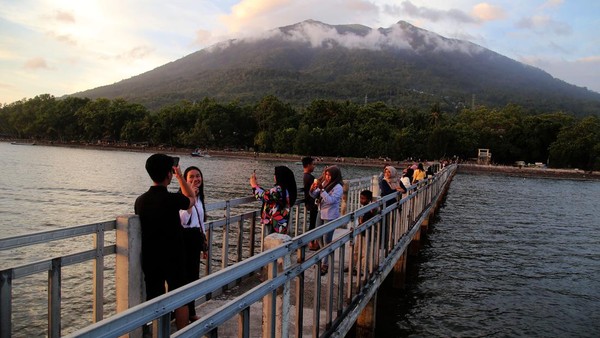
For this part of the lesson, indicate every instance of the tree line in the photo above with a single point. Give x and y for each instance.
(320, 128)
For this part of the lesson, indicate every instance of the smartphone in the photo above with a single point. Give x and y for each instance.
(175, 161)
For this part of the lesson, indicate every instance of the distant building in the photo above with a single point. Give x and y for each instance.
(484, 156)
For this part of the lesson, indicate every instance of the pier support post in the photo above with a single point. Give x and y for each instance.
(365, 323)
(425, 224)
(129, 277)
(278, 309)
(399, 272)
(415, 244)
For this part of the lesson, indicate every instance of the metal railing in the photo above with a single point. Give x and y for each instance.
(232, 257)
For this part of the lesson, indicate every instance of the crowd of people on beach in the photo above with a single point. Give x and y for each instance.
(174, 235)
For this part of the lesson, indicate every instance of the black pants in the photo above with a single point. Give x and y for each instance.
(313, 211)
(191, 239)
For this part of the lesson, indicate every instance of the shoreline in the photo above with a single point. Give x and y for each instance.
(575, 174)
(364, 162)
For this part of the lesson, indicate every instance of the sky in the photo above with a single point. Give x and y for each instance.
(61, 47)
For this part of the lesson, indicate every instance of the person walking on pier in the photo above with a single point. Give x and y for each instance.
(277, 201)
(309, 201)
(163, 253)
(328, 191)
(195, 239)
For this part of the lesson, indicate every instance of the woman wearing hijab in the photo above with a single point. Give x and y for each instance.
(328, 190)
(195, 239)
(277, 201)
(389, 183)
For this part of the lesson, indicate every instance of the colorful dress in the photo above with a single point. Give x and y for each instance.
(275, 211)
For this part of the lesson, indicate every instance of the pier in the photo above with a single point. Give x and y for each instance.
(252, 284)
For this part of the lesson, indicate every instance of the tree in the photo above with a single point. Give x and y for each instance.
(578, 146)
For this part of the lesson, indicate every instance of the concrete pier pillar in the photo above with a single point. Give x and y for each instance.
(399, 272)
(415, 244)
(282, 304)
(365, 323)
(129, 277)
(425, 224)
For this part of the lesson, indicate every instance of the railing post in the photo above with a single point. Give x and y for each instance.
(54, 297)
(129, 277)
(98, 293)
(6, 277)
(225, 248)
(345, 189)
(276, 305)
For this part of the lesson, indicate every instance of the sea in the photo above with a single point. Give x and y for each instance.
(505, 257)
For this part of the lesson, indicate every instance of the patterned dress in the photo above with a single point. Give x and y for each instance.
(273, 213)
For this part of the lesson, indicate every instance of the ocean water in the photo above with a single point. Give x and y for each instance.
(507, 257)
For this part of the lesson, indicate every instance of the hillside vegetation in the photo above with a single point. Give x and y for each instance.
(322, 128)
(400, 66)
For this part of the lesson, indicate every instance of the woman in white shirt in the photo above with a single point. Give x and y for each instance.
(328, 191)
(195, 239)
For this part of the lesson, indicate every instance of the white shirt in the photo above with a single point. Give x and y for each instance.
(195, 218)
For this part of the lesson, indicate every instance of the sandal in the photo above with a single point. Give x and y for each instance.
(324, 269)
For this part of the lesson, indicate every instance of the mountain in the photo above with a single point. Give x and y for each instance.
(402, 65)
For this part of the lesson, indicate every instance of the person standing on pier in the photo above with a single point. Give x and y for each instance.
(194, 231)
(389, 183)
(163, 254)
(277, 201)
(328, 191)
(419, 173)
(309, 201)
(407, 175)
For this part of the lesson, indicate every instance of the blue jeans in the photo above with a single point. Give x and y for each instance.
(327, 238)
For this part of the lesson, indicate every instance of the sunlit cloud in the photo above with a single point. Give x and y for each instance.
(36, 63)
(487, 12)
(202, 37)
(590, 59)
(407, 8)
(64, 38)
(253, 16)
(64, 17)
(135, 53)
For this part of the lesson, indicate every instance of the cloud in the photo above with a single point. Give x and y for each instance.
(544, 24)
(582, 71)
(36, 63)
(255, 16)
(318, 34)
(487, 12)
(64, 38)
(407, 8)
(202, 37)
(135, 53)
(65, 17)
(590, 59)
(552, 3)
